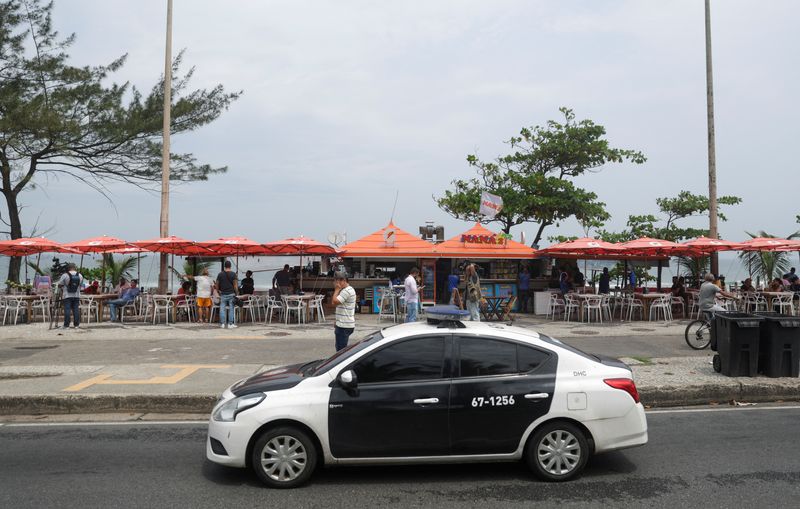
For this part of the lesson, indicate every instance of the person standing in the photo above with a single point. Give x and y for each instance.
(411, 295)
(524, 286)
(452, 286)
(473, 297)
(128, 296)
(204, 286)
(71, 282)
(604, 284)
(282, 280)
(344, 298)
(226, 283)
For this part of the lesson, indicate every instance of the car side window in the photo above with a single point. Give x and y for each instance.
(415, 359)
(486, 357)
(529, 358)
(490, 357)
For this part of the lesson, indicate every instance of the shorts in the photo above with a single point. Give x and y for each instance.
(204, 302)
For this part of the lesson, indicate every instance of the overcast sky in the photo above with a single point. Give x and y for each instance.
(347, 102)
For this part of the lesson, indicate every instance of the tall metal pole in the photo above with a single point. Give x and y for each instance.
(712, 159)
(164, 224)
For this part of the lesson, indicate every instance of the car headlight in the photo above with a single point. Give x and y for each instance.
(229, 411)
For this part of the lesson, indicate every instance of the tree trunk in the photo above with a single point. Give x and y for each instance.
(539, 234)
(15, 225)
(658, 282)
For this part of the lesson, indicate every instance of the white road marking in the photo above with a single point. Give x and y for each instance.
(721, 409)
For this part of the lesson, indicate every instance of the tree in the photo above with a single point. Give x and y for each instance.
(666, 225)
(59, 120)
(535, 180)
(767, 264)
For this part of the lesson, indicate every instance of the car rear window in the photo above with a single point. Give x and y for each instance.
(561, 344)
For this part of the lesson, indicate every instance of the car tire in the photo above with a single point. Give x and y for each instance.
(557, 451)
(716, 361)
(284, 457)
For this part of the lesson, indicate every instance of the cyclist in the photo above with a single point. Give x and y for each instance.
(708, 295)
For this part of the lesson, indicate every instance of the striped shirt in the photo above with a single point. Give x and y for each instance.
(346, 308)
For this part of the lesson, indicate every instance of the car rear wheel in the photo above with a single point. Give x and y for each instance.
(558, 451)
(284, 457)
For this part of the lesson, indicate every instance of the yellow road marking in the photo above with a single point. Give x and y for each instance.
(184, 370)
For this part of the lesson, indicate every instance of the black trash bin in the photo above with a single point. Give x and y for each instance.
(779, 345)
(737, 337)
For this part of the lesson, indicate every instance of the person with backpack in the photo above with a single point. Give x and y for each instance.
(226, 284)
(71, 282)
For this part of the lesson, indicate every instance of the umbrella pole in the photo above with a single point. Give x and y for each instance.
(172, 276)
(139, 268)
(300, 290)
(81, 263)
(26, 269)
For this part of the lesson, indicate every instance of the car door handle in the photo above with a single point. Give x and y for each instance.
(426, 401)
(538, 395)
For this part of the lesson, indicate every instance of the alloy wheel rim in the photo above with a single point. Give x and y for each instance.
(284, 458)
(559, 452)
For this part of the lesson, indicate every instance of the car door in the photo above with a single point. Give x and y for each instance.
(400, 406)
(499, 387)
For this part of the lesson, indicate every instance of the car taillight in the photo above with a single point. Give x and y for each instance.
(624, 384)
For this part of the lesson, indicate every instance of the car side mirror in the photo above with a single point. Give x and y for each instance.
(348, 379)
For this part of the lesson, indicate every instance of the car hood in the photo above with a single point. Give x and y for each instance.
(276, 379)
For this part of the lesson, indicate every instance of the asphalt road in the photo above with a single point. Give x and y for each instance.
(717, 458)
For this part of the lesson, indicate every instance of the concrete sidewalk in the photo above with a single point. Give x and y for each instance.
(183, 368)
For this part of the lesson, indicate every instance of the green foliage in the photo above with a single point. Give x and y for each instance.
(93, 274)
(61, 120)
(767, 265)
(117, 269)
(665, 224)
(695, 266)
(191, 268)
(535, 180)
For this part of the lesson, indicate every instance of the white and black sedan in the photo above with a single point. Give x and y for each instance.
(435, 392)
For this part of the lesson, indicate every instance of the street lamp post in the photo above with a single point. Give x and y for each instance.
(164, 223)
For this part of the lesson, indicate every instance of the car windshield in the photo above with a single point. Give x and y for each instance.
(345, 353)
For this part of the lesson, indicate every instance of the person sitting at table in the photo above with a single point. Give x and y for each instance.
(776, 285)
(791, 276)
(747, 286)
(281, 281)
(679, 289)
(128, 296)
(93, 288)
(795, 286)
(604, 284)
(248, 285)
(580, 279)
(122, 285)
(183, 291)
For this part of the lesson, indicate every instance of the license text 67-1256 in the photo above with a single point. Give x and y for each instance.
(480, 401)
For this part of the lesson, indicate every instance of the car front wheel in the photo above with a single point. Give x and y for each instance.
(558, 451)
(284, 457)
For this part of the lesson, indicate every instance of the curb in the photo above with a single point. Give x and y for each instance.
(74, 404)
(652, 397)
(671, 396)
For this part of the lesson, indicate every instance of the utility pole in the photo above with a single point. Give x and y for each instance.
(712, 159)
(164, 224)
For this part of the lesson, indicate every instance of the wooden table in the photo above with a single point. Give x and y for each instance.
(101, 299)
(584, 298)
(494, 307)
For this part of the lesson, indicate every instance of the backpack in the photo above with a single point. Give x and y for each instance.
(74, 282)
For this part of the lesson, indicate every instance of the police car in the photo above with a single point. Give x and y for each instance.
(436, 392)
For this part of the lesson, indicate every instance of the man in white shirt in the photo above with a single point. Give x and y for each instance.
(204, 286)
(411, 295)
(344, 298)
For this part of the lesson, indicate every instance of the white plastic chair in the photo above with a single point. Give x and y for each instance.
(783, 303)
(89, 305)
(162, 303)
(272, 306)
(593, 305)
(297, 306)
(678, 301)
(570, 304)
(12, 304)
(315, 308)
(555, 305)
(634, 305)
(661, 307)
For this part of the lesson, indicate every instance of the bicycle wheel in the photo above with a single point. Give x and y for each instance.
(698, 334)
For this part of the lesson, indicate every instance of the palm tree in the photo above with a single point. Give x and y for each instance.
(767, 264)
(192, 268)
(696, 266)
(115, 270)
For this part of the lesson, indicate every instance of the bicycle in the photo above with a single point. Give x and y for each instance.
(698, 332)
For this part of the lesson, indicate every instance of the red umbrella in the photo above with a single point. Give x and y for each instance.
(707, 245)
(583, 246)
(101, 244)
(299, 246)
(766, 244)
(32, 245)
(650, 246)
(235, 246)
(174, 245)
